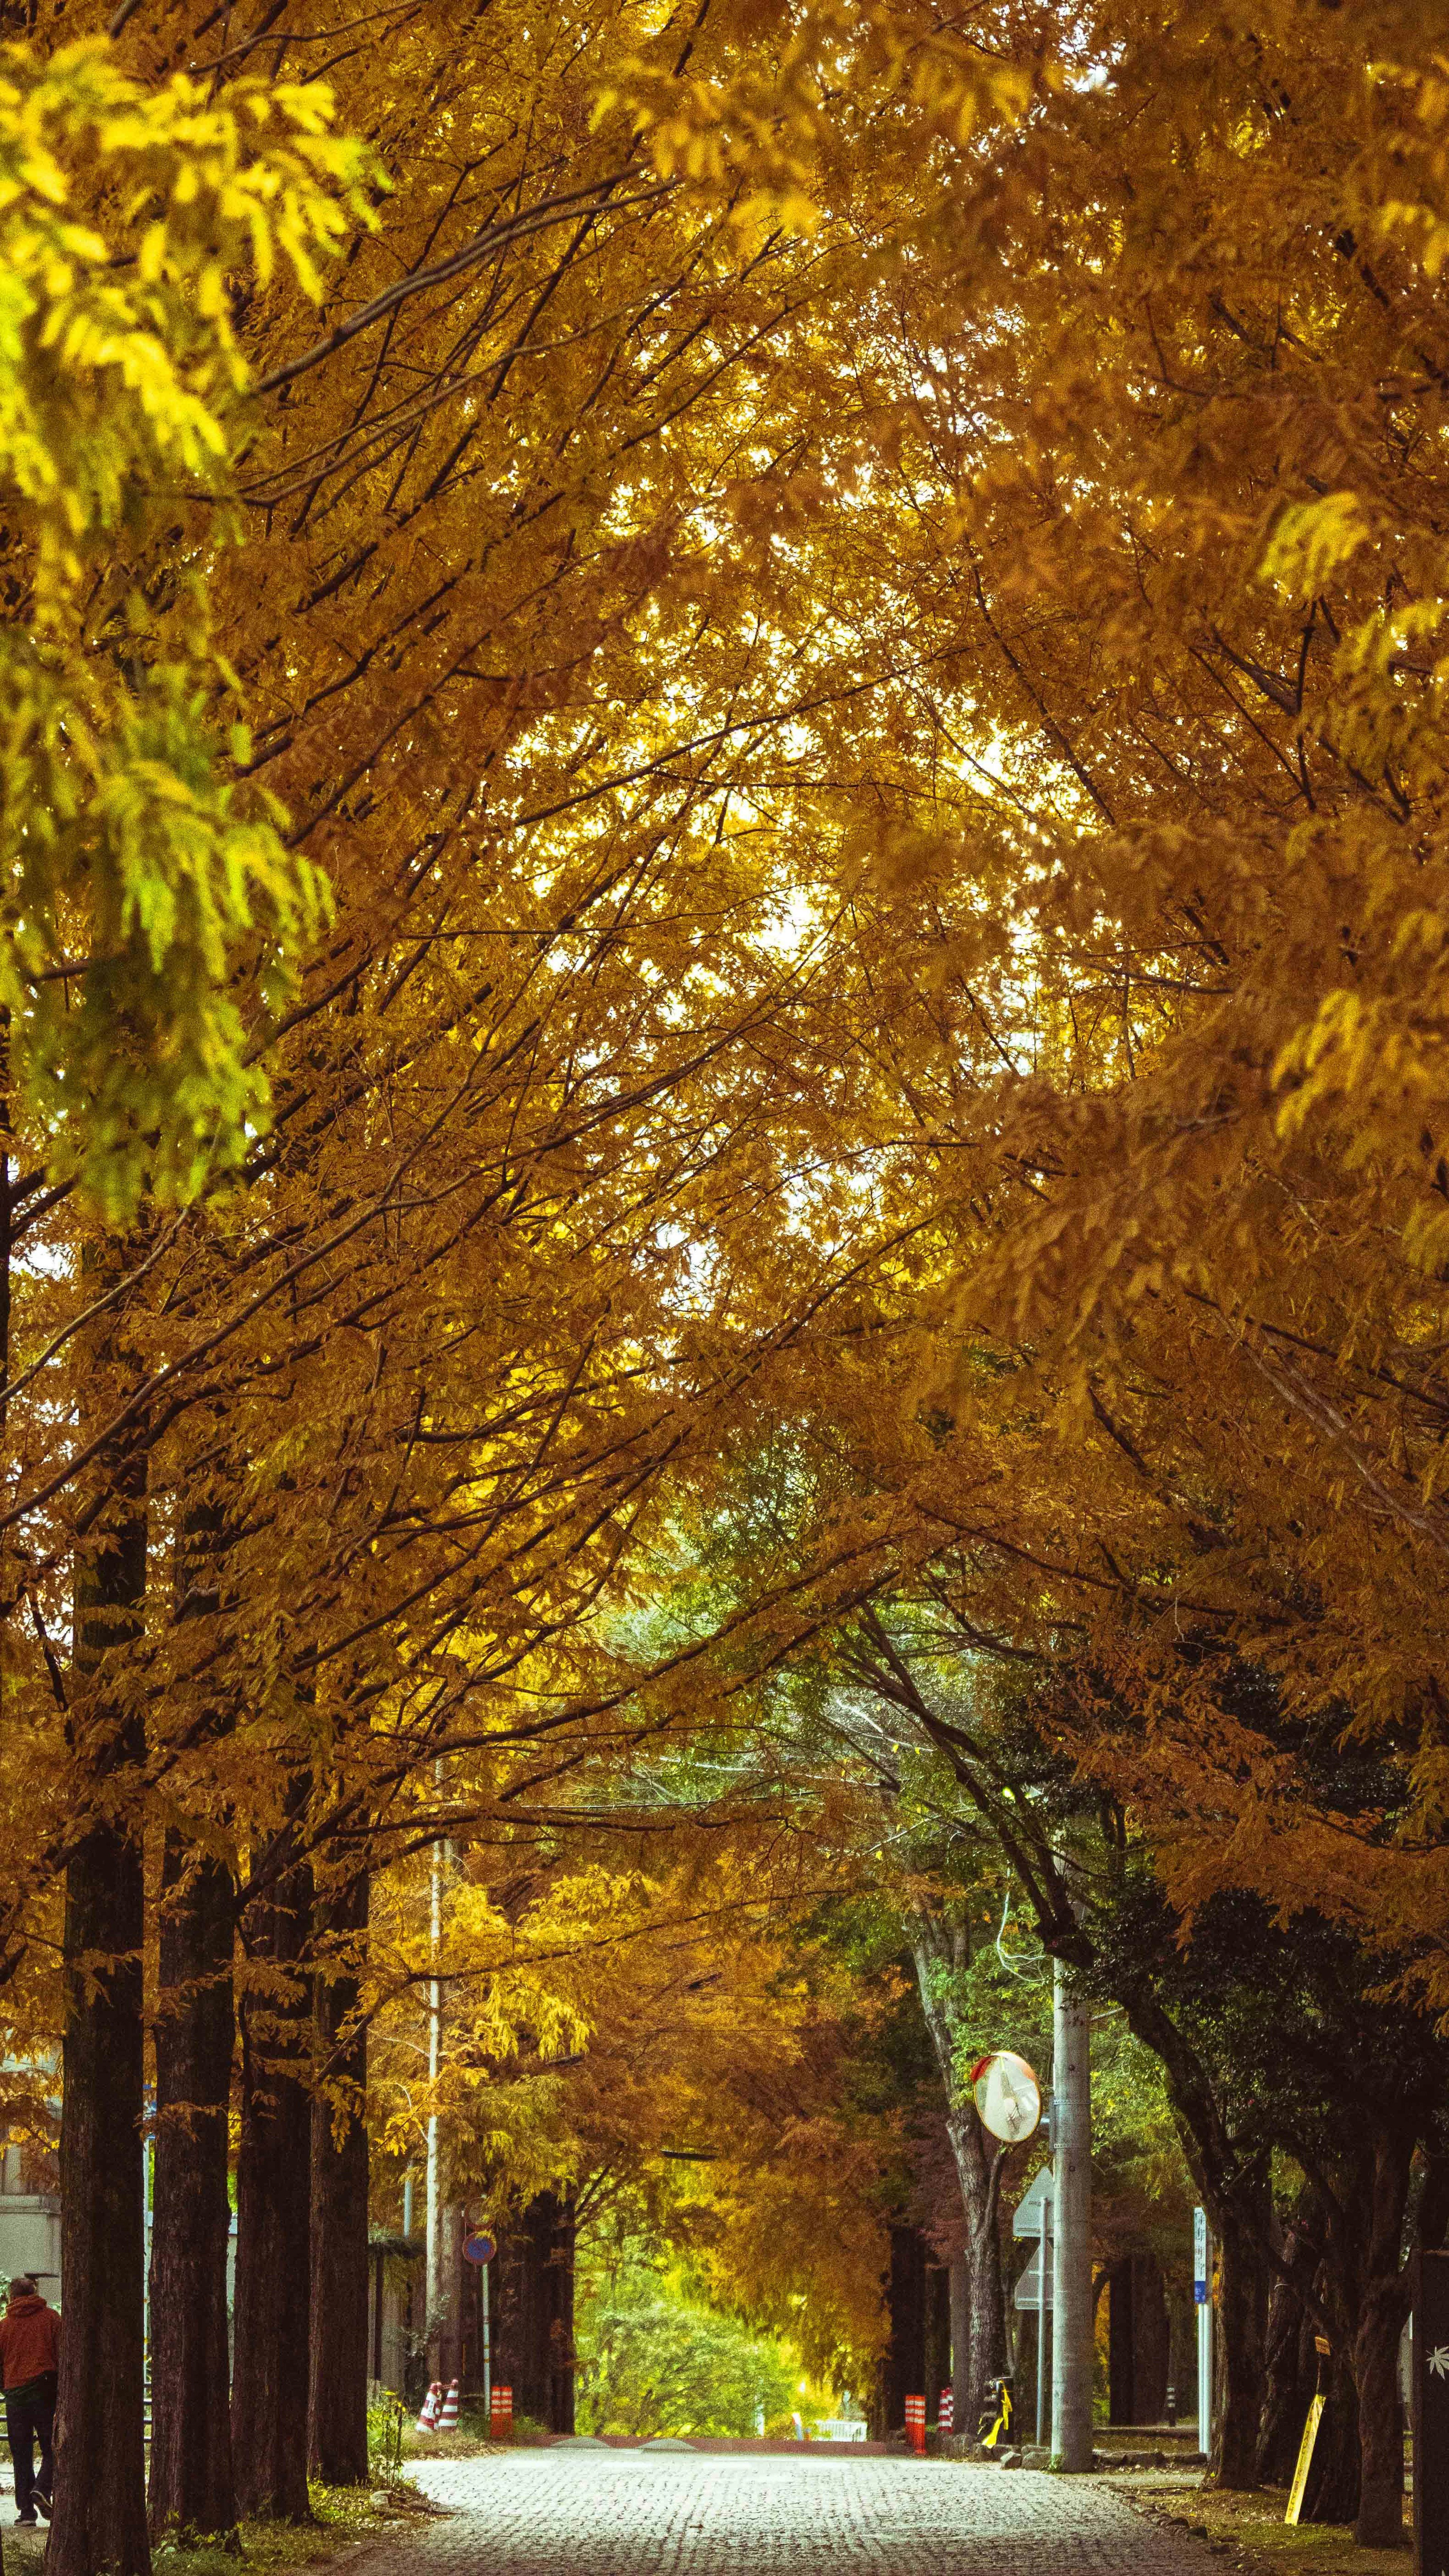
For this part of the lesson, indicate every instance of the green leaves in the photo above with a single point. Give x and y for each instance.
(152, 908)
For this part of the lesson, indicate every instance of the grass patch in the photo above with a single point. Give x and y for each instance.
(344, 2515)
(1250, 2530)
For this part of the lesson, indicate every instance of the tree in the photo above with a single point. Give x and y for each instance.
(139, 873)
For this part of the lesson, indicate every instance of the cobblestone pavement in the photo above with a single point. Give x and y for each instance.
(563, 2512)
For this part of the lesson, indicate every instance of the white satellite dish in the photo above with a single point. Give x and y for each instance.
(1008, 2096)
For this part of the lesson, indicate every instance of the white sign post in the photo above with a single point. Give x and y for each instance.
(1033, 2217)
(1202, 2293)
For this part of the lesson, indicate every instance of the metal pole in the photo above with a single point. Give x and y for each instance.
(148, 2170)
(1043, 2281)
(487, 2358)
(1202, 2265)
(1072, 2318)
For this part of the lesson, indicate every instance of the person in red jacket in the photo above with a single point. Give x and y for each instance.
(29, 2360)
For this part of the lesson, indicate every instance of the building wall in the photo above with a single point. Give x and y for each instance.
(29, 2227)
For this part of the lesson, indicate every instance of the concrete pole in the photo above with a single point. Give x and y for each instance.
(1072, 2317)
(433, 2257)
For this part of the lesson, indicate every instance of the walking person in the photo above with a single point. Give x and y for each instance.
(29, 2360)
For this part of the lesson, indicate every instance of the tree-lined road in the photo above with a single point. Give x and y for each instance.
(564, 2512)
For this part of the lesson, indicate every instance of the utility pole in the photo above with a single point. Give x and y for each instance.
(433, 2258)
(1072, 2318)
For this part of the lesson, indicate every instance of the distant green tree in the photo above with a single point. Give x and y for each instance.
(661, 2365)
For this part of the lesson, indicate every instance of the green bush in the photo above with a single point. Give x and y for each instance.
(386, 2425)
(656, 2365)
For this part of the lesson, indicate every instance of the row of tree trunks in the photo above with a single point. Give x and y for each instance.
(223, 2443)
(1360, 2286)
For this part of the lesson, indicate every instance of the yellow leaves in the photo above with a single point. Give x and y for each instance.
(1311, 542)
(1420, 219)
(743, 138)
(202, 205)
(959, 87)
(770, 144)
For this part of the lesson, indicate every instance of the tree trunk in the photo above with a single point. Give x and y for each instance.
(938, 2335)
(1286, 2387)
(977, 2172)
(961, 2338)
(1382, 2310)
(532, 2287)
(337, 2398)
(192, 2490)
(562, 2377)
(1331, 2494)
(938, 1949)
(903, 2367)
(1239, 2205)
(1242, 2322)
(273, 2270)
(100, 2491)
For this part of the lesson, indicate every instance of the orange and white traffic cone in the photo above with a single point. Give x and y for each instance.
(432, 2405)
(448, 2420)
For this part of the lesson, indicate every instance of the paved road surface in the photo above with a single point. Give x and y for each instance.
(562, 2512)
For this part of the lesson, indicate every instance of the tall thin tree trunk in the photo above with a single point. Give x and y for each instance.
(192, 2489)
(273, 2272)
(100, 2499)
(1383, 2308)
(337, 2406)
